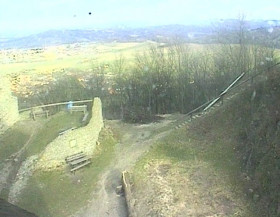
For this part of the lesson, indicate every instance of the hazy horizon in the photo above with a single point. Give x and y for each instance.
(24, 17)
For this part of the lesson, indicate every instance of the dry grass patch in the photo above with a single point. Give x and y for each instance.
(189, 174)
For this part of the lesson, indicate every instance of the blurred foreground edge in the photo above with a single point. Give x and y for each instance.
(9, 210)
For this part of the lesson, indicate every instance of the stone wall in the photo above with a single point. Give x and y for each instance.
(130, 201)
(82, 139)
(8, 105)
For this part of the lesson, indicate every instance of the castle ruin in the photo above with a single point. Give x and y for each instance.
(8, 105)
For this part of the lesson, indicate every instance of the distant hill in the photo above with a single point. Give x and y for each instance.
(191, 33)
(56, 37)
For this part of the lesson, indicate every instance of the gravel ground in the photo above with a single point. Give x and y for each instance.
(23, 174)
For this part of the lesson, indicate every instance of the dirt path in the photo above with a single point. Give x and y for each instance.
(12, 164)
(135, 141)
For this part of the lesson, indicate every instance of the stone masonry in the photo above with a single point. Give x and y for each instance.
(82, 139)
(8, 105)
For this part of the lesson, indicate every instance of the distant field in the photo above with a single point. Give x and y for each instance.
(38, 67)
(81, 57)
(78, 57)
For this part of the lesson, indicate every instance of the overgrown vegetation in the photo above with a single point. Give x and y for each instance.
(65, 88)
(239, 142)
(176, 78)
(259, 140)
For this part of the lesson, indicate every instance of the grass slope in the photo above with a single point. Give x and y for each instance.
(223, 164)
(45, 130)
(60, 193)
(13, 140)
(192, 172)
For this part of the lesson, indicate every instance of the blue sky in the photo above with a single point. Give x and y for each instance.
(28, 16)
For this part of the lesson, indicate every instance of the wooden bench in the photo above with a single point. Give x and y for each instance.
(80, 166)
(35, 113)
(74, 157)
(65, 131)
(77, 161)
(78, 108)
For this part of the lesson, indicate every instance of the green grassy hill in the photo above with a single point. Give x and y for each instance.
(226, 163)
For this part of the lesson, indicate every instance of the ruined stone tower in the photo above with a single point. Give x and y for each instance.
(8, 105)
